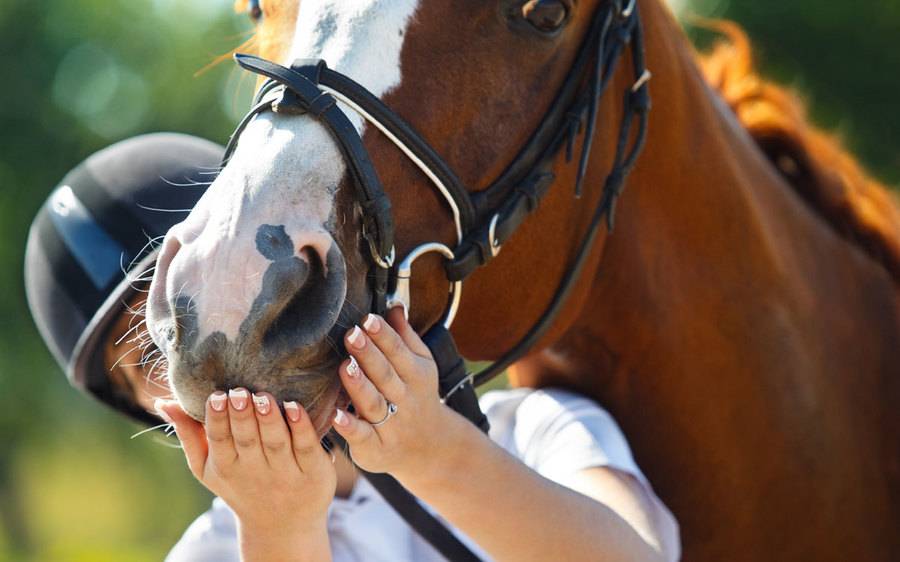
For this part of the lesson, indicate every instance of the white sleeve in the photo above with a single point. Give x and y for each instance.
(212, 537)
(559, 433)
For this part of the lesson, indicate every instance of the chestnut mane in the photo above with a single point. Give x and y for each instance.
(812, 161)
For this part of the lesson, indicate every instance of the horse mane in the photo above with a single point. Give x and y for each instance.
(812, 161)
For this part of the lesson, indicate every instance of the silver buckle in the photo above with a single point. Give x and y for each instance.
(401, 294)
(385, 262)
(628, 9)
(492, 236)
(469, 378)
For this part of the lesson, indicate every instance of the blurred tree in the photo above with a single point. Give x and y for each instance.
(841, 56)
(79, 76)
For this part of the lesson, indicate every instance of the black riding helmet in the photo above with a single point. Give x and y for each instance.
(96, 226)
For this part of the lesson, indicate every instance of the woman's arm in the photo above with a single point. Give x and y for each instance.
(516, 514)
(507, 508)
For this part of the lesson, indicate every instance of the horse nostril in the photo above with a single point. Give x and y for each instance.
(301, 296)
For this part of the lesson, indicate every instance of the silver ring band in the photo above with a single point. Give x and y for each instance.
(391, 410)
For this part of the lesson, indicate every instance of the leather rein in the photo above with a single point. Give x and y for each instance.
(483, 220)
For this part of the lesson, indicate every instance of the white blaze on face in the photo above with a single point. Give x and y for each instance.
(360, 38)
(286, 169)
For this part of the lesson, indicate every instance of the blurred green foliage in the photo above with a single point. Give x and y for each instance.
(81, 75)
(842, 57)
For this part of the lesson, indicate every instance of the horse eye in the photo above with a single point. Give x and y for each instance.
(545, 16)
(254, 10)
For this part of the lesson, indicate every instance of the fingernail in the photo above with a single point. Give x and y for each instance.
(356, 338)
(262, 403)
(353, 370)
(217, 400)
(341, 418)
(292, 409)
(372, 324)
(238, 398)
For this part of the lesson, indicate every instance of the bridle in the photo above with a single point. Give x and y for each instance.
(483, 220)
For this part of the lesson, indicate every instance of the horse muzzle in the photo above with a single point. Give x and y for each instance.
(264, 312)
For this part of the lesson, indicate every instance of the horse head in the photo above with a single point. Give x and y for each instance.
(257, 286)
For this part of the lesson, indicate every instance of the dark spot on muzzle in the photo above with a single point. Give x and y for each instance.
(273, 242)
(299, 300)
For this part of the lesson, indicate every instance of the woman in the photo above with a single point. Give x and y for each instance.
(554, 481)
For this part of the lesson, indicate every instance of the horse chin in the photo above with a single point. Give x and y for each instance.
(319, 391)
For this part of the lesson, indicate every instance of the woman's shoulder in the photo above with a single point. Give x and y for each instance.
(537, 411)
(552, 398)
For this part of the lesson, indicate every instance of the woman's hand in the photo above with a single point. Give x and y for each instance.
(274, 475)
(390, 365)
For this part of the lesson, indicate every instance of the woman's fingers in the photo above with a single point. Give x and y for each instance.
(305, 444)
(244, 429)
(358, 434)
(373, 361)
(369, 403)
(274, 434)
(190, 433)
(218, 430)
(394, 348)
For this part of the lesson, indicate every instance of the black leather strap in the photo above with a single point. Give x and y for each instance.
(420, 519)
(453, 380)
(637, 104)
(408, 507)
(409, 136)
(480, 247)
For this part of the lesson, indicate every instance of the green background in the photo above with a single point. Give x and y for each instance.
(81, 75)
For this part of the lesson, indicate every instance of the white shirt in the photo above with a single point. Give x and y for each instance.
(555, 432)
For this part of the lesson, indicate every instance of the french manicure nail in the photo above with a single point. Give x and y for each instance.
(262, 403)
(292, 409)
(238, 398)
(353, 368)
(356, 338)
(341, 418)
(217, 400)
(372, 324)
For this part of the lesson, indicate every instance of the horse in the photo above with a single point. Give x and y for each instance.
(741, 322)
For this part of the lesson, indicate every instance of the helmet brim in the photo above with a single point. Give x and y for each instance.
(87, 368)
